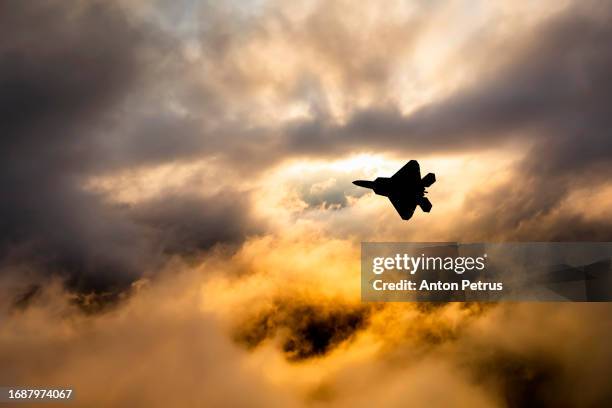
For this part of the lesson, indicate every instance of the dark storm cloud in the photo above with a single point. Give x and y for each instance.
(71, 74)
(562, 91)
(546, 85)
(550, 88)
(555, 82)
(187, 224)
(58, 83)
(307, 330)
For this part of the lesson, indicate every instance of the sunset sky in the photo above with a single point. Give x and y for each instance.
(178, 225)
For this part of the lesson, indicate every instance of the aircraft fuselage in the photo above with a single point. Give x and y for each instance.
(388, 187)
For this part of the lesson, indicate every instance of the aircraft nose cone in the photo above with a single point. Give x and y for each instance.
(363, 183)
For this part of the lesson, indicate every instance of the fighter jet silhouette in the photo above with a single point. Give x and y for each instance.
(405, 189)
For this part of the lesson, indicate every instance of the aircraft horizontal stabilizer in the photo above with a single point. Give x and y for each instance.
(425, 204)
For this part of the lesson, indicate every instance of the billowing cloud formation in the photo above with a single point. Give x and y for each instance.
(104, 88)
(69, 93)
(174, 332)
(190, 164)
(59, 82)
(314, 329)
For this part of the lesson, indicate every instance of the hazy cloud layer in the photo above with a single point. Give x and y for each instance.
(188, 331)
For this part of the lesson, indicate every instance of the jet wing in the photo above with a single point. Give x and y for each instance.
(410, 172)
(405, 206)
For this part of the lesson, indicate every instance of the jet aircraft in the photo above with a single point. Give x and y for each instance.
(405, 189)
